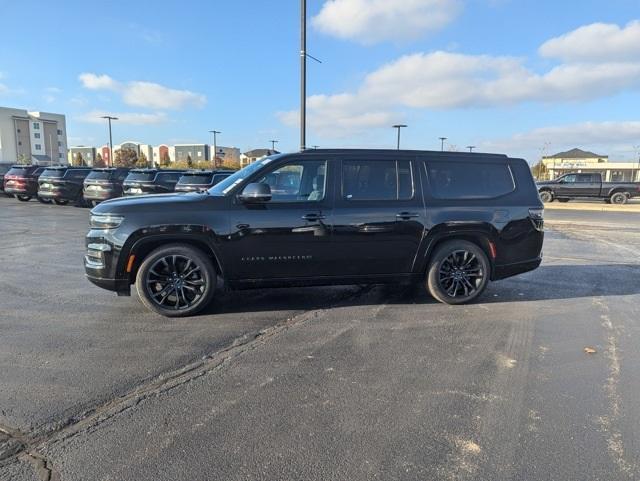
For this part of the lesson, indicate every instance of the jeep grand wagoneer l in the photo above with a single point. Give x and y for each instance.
(452, 221)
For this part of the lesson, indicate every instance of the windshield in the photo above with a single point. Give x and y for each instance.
(227, 184)
(191, 179)
(100, 175)
(53, 173)
(141, 176)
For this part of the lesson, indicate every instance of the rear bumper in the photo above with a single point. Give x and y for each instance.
(510, 270)
(100, 195)
(19, 191)
(56, 195)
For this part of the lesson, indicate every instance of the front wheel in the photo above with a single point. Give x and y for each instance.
(619, 198)
(458, 272)
(23, 198)
(176, 280)
(43, 201)
(61, 202)
(546, 196)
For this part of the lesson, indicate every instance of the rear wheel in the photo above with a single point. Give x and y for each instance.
(546, 196)
(619, 198)
(176, 280)
(61, 201)
(458, 272)
(23, 198)
(43, 201)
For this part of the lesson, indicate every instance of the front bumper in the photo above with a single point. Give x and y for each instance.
(122, 287)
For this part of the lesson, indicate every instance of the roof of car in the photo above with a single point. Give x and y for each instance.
(436, 153)
(149, 171)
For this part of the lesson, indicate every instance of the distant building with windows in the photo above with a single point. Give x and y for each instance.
(226, 154)
(197, 152)
(251, 156)
(32, 137)
(581, 161)
(88, 155)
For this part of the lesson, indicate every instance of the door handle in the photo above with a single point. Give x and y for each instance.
(407, 215)
(312, 217)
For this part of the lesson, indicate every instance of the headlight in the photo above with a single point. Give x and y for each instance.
(105, 221)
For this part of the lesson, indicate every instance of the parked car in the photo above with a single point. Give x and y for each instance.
(22, 182)
(151, 181)
(199, 180)
(4, 168)
(452, 221)
(582, 185)
(104, 184)
(63, 184)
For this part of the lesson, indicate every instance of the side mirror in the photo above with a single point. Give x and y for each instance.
(256, 193)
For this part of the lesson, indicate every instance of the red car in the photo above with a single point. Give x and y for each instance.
(22, 181)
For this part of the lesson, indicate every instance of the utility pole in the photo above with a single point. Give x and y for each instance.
(215, 147)
(109, 118)
(398, 127)
(273, 144)
(303, 74)
(442, 139)
(471, 147)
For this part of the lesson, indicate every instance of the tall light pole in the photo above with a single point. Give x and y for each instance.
(110, 118)
(398, 127)
(442, 139)
(471, 147)
(273, 144)
(215, 147)
(303, 74)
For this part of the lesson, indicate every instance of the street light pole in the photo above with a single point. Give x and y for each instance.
(303, 74)
(273, 144)
(471, 147)
(110, 118)
(215, 147)
(442, 139)
(398, 127)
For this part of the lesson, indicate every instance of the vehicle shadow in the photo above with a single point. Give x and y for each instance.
(545, 283)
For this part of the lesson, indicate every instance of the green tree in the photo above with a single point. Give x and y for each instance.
(78, 159)
(99, 162)
(142, 160)
(125, 158)
(189, 161)
(24, 159)
(165, 160)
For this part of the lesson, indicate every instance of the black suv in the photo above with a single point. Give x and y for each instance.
(199, 180)
(4, 168)
(104, 184)
(151, 181)
(22, 181)
(63, 184)
(454, 221)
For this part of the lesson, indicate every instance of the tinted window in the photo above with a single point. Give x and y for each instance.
(77, 174)
(588, 178)
(169, 177)
(225, 186)
(18, 171)
(569, 178)
(195, 179)
(100, 175)
(219, 177)
(141, 176)
(297, 181)
(377, 180)
(469, 180)
(53, 173)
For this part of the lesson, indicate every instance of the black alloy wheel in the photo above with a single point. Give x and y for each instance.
(619, 198)
(23, 198)
(176, 280)
(61, 201)
(458, 273)
(44, 201)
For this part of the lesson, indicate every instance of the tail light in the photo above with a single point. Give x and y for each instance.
(537, 216)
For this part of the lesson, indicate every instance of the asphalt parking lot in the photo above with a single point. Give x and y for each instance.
(322, 383)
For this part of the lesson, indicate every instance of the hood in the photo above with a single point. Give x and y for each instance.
(151, 203)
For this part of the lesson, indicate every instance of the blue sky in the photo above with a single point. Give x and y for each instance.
(519, 77)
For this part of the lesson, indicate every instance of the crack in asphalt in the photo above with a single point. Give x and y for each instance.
(16, 445)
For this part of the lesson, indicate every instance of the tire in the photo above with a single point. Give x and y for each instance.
(455, 258)
(563, 200)
(23, 198)
(546, 196)
(43, 201)
(60, 201)
(169, 268)
(619, 198)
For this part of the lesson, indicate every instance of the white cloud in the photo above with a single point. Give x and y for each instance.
(145, 94)
(444, 80)
(3, 89)
(127, 118)
(156, 96)
(92, 81)
(596, 42)
(372, 21)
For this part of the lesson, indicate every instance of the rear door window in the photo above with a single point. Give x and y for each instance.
(141, 176)
(54, 173)
(169, 178)
(469, 180)
(219, 178)
(195, 179)
(99, 175)
(377, 180)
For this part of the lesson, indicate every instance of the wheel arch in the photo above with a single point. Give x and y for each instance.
(618, 190)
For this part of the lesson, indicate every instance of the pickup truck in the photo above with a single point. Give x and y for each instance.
(572, 186)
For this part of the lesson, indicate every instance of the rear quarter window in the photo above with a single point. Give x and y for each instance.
(469, 180)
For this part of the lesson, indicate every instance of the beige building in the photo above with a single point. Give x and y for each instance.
(256, 154)
(577, 160)
(32, 137)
